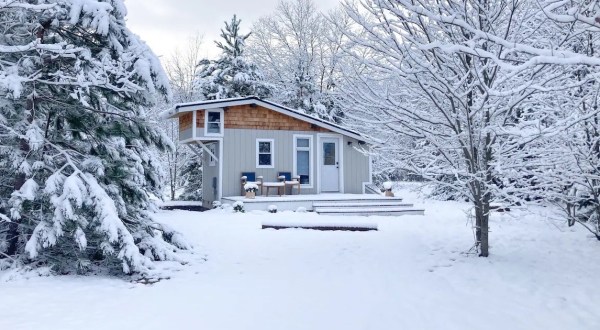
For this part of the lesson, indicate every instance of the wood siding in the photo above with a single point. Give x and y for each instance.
(199, 118)
(257, 117)
(239, 155)
(209, 175)
(239, 151)
(185, 121)
(356, 166)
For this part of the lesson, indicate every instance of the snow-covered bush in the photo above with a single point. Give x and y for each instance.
(251, 187)
(216, 204)
(272, 208)
(387, 185)
(238, 207)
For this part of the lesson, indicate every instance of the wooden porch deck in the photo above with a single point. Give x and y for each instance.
(331, 204)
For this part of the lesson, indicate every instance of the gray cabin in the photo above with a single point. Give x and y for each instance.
(250, 138)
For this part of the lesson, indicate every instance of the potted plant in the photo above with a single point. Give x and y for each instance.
(251, 189)
(387, 187)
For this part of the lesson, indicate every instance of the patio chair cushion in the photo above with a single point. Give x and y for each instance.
(250, 176)
(286, 175)
(304, 179)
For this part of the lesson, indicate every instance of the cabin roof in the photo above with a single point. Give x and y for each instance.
(222, 103)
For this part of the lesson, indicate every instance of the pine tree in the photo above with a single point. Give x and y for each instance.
(74, 137)
(191, 179)
(232, 74)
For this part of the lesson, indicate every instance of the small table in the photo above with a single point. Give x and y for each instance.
(278, 185)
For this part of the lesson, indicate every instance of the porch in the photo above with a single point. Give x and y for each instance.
(331, 204)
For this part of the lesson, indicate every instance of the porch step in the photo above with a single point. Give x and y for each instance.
(353, 204)
(368, 211)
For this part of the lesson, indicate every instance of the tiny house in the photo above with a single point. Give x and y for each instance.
(254, 138)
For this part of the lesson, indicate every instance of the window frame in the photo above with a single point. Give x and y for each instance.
(310, 149)
(211, 160)
(257, 153)
(222, 122)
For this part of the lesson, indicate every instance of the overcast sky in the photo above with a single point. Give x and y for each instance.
(167, 24)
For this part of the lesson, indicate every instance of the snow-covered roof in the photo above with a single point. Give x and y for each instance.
(211, 104)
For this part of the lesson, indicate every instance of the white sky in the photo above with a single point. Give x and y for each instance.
(167, 24)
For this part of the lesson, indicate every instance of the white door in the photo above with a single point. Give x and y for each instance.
(330, 165)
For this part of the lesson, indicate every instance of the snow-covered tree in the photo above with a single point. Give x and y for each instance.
(191, 178)
(232, 74)
(565, 165)
(75, 140)
(297, 49)
(471, 83)
(182, 69)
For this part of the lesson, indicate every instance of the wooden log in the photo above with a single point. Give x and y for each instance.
(323, 227)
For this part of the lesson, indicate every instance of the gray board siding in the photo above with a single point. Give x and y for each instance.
(239, 155)
(356, 166)
(239, 149)
(209, 174)
(185, 134)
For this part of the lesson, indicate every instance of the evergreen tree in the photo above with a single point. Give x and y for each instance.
(191, 178)
(232, 74)
(75, 141)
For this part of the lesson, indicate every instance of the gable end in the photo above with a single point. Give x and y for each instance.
(258, 117)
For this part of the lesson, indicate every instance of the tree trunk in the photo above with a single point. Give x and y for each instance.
(20, 178)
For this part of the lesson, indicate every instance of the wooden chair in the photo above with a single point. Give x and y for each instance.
(289, 181)
(250, 177)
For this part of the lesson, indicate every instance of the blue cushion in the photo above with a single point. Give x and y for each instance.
(287, 175)
(304, 179)
(250, 176)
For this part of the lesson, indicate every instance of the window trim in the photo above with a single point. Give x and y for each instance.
(211, 160)
(272, 141)
(311, 177)
(222, 126)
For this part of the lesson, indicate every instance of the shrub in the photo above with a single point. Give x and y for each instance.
(238, 207)
(248, 187)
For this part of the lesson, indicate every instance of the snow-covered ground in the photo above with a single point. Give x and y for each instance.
(411, 274)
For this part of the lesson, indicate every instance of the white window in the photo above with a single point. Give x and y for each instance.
(212, 161)
(265, 153)
(213, 125)
(303, 159)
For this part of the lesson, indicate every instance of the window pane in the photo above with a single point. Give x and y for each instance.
(302, 143)
(302, 162)
(214, 117)
(264, 159)
(264, 147)
(303, 165)
(328, 153)
(214, 128)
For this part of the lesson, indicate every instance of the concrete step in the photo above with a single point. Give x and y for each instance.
(383, 203)
(369, 211)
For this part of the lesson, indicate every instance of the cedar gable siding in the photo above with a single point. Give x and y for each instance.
(199, 118)
(257, 117)
(185, 121)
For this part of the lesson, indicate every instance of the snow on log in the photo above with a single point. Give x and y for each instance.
(321, 226)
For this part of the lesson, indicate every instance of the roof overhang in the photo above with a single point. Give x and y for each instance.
(223, 103)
